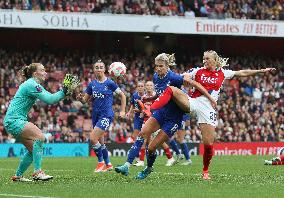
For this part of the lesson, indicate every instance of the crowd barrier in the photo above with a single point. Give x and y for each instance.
(121, 150)
(245, 148)
(49, 150)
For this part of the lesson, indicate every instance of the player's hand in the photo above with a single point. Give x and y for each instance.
(268, 70)
(135, 110)
(186, 80)
(70, 83)
(122, 114)
(214, 104)
(79, 97)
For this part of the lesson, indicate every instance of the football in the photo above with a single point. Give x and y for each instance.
(117, 69)
(280, 151)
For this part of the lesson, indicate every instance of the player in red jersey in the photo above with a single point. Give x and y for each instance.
(145, 104)
(279, 160)
(211, 77)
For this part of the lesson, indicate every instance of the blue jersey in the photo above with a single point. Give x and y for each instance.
(138, 121)
(102, 97)
(171, 110)
(133, 101)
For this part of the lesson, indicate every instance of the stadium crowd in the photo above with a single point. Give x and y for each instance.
(253, 109)
(218, 9)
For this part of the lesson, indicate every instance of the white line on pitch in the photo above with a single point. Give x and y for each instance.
(13, 195)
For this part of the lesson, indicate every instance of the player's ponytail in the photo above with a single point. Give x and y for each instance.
(28, 70)
(168, 58)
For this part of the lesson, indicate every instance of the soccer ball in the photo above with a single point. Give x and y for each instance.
(280, 151)
(117, 69)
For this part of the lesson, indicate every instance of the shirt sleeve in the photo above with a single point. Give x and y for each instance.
(113, 86)
(37, 91)
(89, 89)
(176, 80)
(229, 74)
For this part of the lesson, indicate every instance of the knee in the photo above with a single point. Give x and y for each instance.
(151, 149)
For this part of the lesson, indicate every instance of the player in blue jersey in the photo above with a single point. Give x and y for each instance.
(16, 119)
(168, 119)
(138, 120)
(101, 91)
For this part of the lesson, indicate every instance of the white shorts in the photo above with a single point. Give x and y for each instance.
(205, 113)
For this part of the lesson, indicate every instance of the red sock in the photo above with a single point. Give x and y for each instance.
(278, 163)
(168, 153)
(207, 156)
(163, 99)
(282, 158)
(142, 154)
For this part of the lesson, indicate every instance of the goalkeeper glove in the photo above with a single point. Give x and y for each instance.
(70, 83)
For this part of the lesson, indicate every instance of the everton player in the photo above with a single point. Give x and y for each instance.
(100, 91)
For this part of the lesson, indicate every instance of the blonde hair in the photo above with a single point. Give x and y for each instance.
(221, 62)
(168, 58)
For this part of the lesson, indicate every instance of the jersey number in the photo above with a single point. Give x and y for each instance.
(213, 116)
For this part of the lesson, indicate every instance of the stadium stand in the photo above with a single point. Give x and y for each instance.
(220, 9)
(246, 114)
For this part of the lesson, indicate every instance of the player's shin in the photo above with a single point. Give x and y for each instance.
(207, 156)
(105, 154)
(98, 150)
(185, 150)
(152, 155)
(37, 154)
(174, 146)
(24, 163)
(134, 150)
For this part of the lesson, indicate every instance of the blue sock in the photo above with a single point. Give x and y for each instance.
(24, 164)
(174, 146)
(105, 154)
(151, 157)
(185, 150)
(37, 154)
(134, 150)
(98, 150)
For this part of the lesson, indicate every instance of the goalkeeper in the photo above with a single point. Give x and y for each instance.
(16, 121)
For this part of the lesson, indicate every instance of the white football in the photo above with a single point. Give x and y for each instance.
(117, 69)
(280, 151)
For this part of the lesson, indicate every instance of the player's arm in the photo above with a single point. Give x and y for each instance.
(46, 96)
(130, 110)
(204, 92)
(249, 72)
(123, 102)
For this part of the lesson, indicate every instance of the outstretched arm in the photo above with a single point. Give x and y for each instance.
(48, 97)
(248, 72)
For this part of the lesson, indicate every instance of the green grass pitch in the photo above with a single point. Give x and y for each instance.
(232, 176)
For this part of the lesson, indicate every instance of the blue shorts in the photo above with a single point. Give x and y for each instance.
(14, 126)
(138, 122)
(102, 122)
(169, 126)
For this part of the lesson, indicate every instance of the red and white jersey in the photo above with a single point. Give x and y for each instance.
(212, 81)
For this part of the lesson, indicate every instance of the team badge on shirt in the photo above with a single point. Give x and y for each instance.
(38, 88)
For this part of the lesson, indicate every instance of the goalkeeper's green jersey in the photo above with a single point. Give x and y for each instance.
(26, 97)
